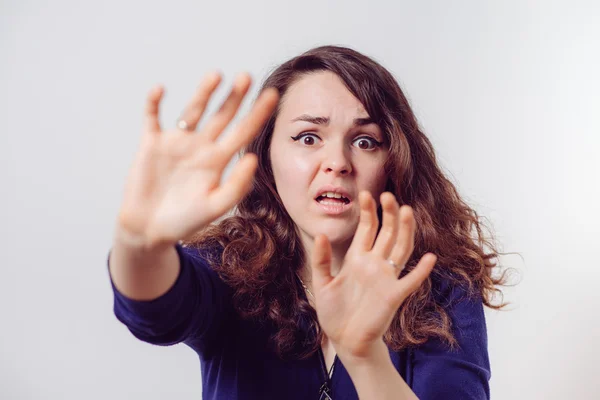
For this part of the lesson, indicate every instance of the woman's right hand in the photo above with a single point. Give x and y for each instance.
(173, 188)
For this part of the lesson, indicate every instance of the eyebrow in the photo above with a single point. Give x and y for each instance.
(325, 120)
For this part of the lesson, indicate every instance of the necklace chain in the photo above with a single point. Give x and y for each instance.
(306, 288)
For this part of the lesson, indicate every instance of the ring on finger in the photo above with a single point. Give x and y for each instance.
(183, 125)
(396, 266)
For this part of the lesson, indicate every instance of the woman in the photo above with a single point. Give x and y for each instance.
(322, 284)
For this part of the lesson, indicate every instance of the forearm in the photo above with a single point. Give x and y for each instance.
(140, 273)
(377, 378)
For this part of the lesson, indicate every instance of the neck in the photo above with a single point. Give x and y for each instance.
(338, 252)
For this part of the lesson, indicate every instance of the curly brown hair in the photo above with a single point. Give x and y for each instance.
(261, 253)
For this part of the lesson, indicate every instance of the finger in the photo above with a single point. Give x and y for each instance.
(414, 279)
(235, 187)
(389, 230)
(405, 241)
(367, 224)
(321, 263)
(197, 105)
(251, 124)
(151, 118)
(229, 108)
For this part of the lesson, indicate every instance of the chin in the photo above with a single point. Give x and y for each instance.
(336, 234)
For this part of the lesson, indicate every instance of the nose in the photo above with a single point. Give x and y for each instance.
(337, 160)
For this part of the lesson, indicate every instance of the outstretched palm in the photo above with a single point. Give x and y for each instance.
(355, 308)
(173, 187)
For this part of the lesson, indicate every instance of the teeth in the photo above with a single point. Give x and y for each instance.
(332, 195)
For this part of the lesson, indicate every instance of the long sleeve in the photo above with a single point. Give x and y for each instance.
(463, 373)
(194, 309)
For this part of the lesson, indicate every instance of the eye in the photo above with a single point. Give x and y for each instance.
(308, 139)
(367, 143)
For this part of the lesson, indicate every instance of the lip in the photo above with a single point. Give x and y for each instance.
(334, 209)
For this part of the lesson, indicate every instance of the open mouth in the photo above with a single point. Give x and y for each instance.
(333, 199)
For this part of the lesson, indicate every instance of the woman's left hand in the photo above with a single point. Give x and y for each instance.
(356, 307)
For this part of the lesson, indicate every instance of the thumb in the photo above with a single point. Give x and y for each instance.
(321, 263)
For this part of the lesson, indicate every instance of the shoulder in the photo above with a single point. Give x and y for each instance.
(464, 307)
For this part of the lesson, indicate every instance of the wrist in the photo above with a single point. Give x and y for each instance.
(375, 376)
(376, 357)
(135, 243)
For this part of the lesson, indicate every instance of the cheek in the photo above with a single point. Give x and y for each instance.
(294, 164)
(292, 173)
(373, 179)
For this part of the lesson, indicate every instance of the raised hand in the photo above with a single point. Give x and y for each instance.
(356, 307)
(173, 188)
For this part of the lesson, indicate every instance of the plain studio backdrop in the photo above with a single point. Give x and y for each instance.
(508, 91)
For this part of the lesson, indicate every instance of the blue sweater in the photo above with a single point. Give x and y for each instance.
(236, 363)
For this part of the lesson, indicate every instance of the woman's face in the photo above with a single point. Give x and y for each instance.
(324, 144)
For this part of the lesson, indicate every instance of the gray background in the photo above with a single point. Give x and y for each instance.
(508, 91)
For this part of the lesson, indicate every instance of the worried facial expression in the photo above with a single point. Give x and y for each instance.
(325, 150)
